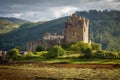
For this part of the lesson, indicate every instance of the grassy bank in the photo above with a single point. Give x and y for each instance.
(73, 59)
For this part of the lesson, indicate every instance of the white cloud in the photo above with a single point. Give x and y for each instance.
(17, 15)
(36, 16)
(62, 11)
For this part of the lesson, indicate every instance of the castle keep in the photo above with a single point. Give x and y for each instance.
(75, 29)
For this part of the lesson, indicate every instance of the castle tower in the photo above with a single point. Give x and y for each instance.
(76, 29)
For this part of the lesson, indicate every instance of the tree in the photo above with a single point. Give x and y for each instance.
(82, 47)
(55, 52)
(96, 46)
(39, 48)
(14, 53)
(19, 48)
(66, 46)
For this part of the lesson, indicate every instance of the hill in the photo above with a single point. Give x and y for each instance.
(7, 26)
(14, 20)
(104, 28)
(10, 24)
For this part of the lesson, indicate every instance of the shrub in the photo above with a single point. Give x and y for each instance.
(41, 54)
(30, 54)
(119, 54)
(96, 46)
(106, 54)
(55, 52)
(39, 48)
(112, 55)
(83, 48)
(66, 46)
(100, 54)
(20, 57)
(14, 53)
(88, 52)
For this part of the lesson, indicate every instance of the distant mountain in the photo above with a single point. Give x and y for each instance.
(7, 26)
(10, 24)
(104, 28)
(14, 20)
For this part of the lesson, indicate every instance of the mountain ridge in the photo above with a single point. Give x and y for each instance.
(14, 20)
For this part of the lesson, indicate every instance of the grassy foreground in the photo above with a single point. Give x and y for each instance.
(73, 59)
(70, 67)
(39, 71)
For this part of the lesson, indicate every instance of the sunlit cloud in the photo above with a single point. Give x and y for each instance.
(63, 11)
(17, 15)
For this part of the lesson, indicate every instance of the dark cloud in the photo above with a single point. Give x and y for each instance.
(49, 9)
(117, 0)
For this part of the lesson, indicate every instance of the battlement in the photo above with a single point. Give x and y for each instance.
(82, 21)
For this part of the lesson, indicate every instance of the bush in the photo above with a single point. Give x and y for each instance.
(105, 54)
(119, 54)
(39, 48)
(113, 55)
(100, 54)
(83, 48)
(14, 53)
(88, 52)
(41, 54)
(30, 54)
(96, 46)
(55, 52)
(66, 46)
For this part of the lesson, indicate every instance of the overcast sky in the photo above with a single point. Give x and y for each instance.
(37, 10)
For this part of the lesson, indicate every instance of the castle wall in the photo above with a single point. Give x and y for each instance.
(31, 46)
(74, 34)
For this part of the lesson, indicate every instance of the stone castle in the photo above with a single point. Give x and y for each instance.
(75, 29)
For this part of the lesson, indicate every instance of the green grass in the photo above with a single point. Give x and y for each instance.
(84, 61)
(68, 58)
(75, 59)
(72, 60)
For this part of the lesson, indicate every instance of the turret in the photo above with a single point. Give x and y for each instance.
(74, 17)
